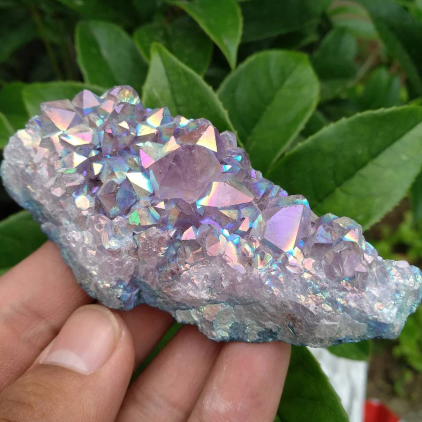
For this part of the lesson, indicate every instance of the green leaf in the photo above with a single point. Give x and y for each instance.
(360, 167)
(353, 17)
(6, 131)
(315, 123)
(107, 56)
(381, 90)
(122, 11)
(401, 34)
(308, 394)
(340, 107)
(215, 75)
(291, 41)
(16, 31)
(269, 98)
(7, 4)
(334, 62)
(171, 83)
(264, 18)
(416, 9)
(12, 105)
(297, 40)
(35, 94)
(417, 101)
(20, 235)
(220, 19)
(410, 341)
(354, 351)
(147, 9)
(183, 38)
(416, 199)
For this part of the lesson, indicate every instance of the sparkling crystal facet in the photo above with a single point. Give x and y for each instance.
(169, 212)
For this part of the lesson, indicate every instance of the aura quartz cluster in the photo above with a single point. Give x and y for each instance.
(148, 208)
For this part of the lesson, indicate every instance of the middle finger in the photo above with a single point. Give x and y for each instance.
(168, 389)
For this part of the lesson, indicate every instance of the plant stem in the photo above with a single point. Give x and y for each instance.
(370, 61)
(66, 47)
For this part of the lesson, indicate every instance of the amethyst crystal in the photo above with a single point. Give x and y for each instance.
(148, 208)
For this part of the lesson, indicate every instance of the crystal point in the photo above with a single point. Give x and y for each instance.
(166, 211)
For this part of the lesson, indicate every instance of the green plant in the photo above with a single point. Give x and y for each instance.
(343, 78)
(410, 341)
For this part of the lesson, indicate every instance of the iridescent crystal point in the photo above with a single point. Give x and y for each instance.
(148, 208)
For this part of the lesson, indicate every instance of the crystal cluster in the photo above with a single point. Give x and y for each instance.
(148, 208)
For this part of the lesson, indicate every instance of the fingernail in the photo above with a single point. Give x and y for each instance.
(86, 341)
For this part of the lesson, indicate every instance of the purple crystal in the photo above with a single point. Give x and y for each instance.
(167, 211)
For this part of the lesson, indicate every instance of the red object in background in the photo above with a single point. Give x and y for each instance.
(375, 411)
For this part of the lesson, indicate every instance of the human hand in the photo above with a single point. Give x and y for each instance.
(64, 359)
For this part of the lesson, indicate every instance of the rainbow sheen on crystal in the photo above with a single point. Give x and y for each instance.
(148, 208)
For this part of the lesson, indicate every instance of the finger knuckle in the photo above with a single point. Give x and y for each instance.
(16, 407)
(28, 400)
(145, 403)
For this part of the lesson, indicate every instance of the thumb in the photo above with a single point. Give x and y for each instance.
(82, 376)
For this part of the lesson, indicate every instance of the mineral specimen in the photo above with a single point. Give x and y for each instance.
(166, 211)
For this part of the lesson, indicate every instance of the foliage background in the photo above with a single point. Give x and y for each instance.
(344, 81)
